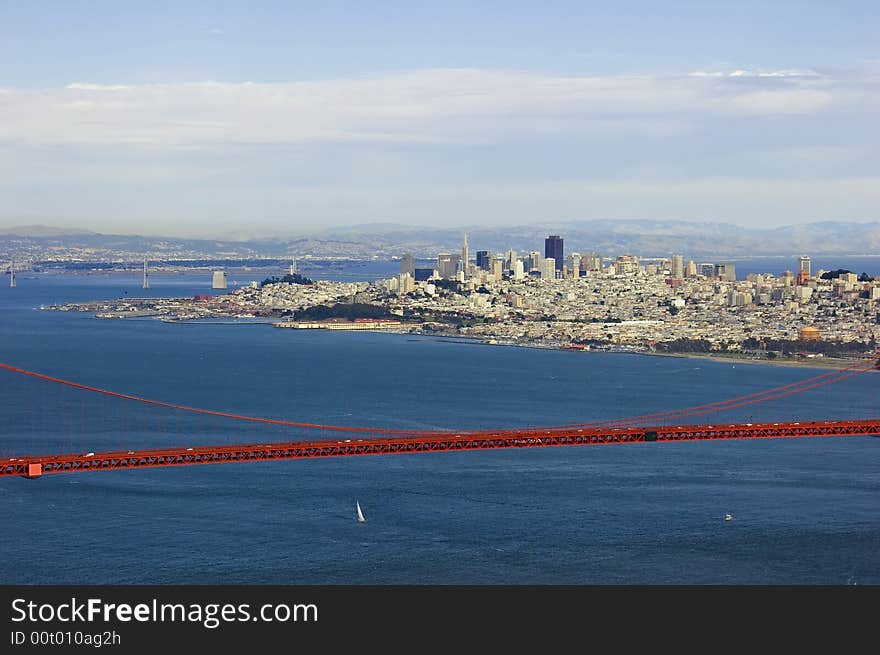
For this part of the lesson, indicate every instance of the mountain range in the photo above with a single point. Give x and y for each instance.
(645, 238)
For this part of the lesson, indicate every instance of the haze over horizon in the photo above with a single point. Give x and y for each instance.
(212, 120)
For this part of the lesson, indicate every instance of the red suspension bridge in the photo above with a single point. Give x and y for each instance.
(346, 440)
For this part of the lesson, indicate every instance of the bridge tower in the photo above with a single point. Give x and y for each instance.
(146, 277)
(12, 274)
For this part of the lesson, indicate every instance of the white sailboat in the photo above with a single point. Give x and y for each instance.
(361, 518)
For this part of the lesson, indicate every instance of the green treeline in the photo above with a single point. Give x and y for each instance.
(296, 278)
(349, 311)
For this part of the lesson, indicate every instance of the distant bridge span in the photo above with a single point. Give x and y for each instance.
(36, 466)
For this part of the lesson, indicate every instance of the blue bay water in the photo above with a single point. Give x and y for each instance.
(805, 510)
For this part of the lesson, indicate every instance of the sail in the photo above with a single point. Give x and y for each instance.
(361, 518)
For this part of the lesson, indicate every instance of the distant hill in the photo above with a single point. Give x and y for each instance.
(41, 231)
(646, 238)
(641, 237)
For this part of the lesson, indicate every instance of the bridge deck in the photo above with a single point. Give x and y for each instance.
(35, 466)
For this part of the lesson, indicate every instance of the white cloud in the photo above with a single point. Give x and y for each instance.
(436, 105)
(81, 86)
(752, 73)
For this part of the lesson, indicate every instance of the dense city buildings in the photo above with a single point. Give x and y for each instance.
(448, 265)
(596, 302)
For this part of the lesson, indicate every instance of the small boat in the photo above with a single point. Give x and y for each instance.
(728, 517)
(361, 518)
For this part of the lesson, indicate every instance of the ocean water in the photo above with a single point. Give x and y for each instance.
(805, 510)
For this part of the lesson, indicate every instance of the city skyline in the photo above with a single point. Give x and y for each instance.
(250, 121)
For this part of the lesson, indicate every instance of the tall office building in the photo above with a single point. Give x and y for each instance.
(536, 261)
(592, 262)
(549, 270)
(804, 269)
(408, 264)
(574, 260)
(677, 267)
(626, 265)
(405, 283)
(553, 249)
(691, 269)
(465, 256)
(484, 260)
(448, 265)
(725, 272)
(218, 281)
(707, 270)
(510, 260)
(804, 264)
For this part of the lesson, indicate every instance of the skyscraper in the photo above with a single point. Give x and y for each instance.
(218, 281)
(510, 260)
(484, 259)
(592, 262)
(677, 267)
(448, 264)
(405, 283)
(804, 264)
(536, 262)
(725, 272)
(465, 256)
(804, 269)
(407, 264)
(553, 249)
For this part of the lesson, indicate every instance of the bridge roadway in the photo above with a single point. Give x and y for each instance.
(35, 466)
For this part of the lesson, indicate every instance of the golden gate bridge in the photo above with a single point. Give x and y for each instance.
(346, 440)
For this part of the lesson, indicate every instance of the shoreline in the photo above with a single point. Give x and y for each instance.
(488, 340)
(814, 362)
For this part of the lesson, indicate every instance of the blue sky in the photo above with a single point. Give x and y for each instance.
(259, 118)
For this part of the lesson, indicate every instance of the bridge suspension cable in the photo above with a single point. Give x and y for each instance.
(773, 393)
(800, 386)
